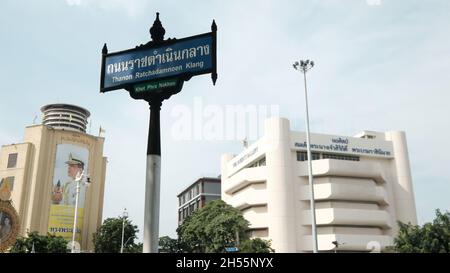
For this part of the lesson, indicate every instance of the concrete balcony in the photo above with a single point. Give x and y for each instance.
(244, 178)
(349, 242)
(349, 217)
(347, 189)
(333, 167)
(257, 216)
(252, 195)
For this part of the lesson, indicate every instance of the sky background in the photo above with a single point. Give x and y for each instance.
(380, 65)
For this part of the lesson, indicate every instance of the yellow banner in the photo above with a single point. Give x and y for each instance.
(61, 221)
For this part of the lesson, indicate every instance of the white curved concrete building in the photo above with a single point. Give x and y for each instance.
(362, 187)
(65, 116)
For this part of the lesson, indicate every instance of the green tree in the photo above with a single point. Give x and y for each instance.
(169, 245)
(256, 245)
(108, 237)
(42, 244)
(212, 228)
(134, 248)
(430, 238)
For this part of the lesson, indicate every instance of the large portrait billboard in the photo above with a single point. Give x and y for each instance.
(70, 161)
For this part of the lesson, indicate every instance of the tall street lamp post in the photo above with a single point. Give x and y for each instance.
(124, 216)
(303, 67)
(78, 178)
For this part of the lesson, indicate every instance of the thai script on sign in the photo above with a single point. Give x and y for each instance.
(341, 145)
(166, 56)
(371, 151)
(340, 140)
(331, 147)
(192, 56)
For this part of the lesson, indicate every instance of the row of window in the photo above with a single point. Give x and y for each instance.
(303, 156)
(199, 203)
(259, 163)
(51, 116)
(58, 120)
(63, 110)
(189, 194)
(188, 210)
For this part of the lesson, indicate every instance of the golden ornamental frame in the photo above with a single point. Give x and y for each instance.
(7, 208)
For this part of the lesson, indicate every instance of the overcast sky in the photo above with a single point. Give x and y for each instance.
(380, 65)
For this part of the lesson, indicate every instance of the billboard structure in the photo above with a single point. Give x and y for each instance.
(70, 160)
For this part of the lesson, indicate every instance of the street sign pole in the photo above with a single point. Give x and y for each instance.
(154, 72)
(153, 171)
(153, 180)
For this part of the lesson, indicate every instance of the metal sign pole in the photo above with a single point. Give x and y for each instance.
(152, 181)
(154, 72)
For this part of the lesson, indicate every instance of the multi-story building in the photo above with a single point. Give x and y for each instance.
(362, 187)
(41, 171)
(195, 196)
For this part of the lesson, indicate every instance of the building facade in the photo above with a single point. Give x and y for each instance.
(43, 169)
(362, 187)
(196, 196)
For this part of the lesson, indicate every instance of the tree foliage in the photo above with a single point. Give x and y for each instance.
(256, 245)
(213, 228)
(169, 245)
(430, 238)
(42, 244)
(108, 237)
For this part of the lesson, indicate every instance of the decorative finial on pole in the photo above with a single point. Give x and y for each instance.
(157, 31)
(104, 49)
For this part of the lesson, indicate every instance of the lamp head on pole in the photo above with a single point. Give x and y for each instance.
(303, 66)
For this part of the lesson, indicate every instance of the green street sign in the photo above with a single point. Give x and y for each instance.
(156, 85)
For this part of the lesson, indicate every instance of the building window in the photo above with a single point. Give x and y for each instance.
(259, 163)
(303, 156)
(195, 189)
(262, 161)
(12, 160)
(341, 157)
